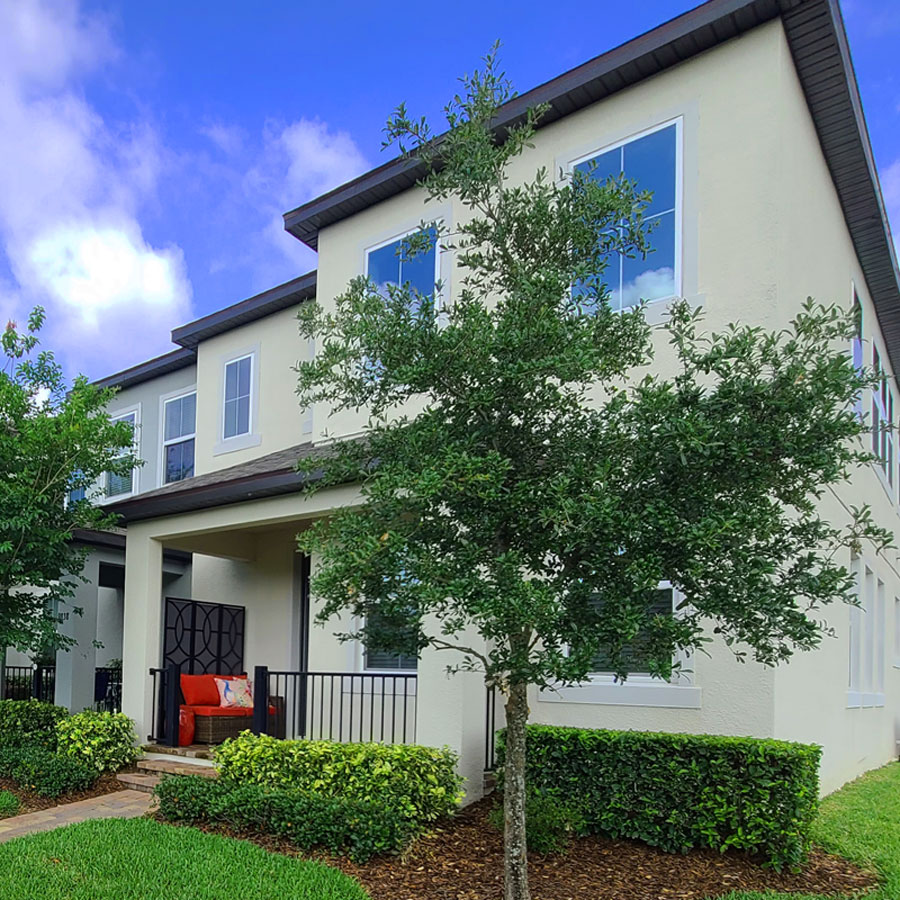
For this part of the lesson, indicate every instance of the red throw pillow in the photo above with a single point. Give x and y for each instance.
(201, 690)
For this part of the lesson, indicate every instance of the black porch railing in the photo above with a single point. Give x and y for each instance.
(332, 706)
(107, 689)
(336, 706)
(27, 682)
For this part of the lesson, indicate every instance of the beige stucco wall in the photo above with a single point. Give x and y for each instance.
(277, 421)
(761, 230)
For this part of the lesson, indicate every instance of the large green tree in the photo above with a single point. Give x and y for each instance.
(54, 439)
(527, 482)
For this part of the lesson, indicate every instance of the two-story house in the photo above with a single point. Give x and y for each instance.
(743, 117)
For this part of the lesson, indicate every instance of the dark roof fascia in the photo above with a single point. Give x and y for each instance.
(111, 540)
(273, 300)
(223, 493)
(654, 51)
(173, 361)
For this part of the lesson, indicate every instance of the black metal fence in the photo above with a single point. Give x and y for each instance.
(490, 730)
(27, 682)
(336, 706)
(107, 689)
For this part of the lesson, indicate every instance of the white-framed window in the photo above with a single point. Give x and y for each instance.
(118, 486)
(883, 437)
(637, 654)
(867, 640)
(385, 661)
(237, 411)
(857, 343)
(179, 435)
(653, 159)
(897, 632)
(390, 262)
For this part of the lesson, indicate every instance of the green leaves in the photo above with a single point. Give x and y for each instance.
(52, 440)
(529, 475)
(104, 741)
(681, 791)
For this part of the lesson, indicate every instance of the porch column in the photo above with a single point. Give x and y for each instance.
(75, 666)
(142, 623)
(450, 712)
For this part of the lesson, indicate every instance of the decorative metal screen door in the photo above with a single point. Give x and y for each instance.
(204, 638)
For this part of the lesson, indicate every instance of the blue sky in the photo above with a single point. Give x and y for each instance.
(147, 150)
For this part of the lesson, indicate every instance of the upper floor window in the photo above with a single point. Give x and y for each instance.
(858, 333)
(79, 493)
(179, 430)
(883, 437)
(394, 263)
(238, 381)
(119, 485)
(652, 160)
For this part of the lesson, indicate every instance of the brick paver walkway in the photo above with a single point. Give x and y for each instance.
(120, 805)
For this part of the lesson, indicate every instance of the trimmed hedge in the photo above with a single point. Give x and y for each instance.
(359, 828)
(103, 741)
(680, 791)
(26, 723)
(45, 772)
(416, 783)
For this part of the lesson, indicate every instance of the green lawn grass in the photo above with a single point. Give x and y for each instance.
(139, 859)
(860, 822)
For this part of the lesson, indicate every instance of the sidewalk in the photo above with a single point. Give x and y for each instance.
(120, 805)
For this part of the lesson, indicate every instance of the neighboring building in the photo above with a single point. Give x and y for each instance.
(743, 116)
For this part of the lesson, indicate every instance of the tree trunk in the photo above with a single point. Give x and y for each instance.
(515, 858)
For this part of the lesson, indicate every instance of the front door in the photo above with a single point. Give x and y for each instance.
(204, 637)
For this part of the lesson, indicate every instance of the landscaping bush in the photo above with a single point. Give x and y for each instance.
(103, 741)
(678, 791)
(25, 723)
(417, 783)
(550, 822)
(46, 773)
(358, 827)
(9, 804)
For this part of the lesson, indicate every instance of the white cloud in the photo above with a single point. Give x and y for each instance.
(71, 190)
(296, 162)
(649, 285)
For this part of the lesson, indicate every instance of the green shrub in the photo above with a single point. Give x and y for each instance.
(46, 773)
(550, 822)
(419, 784)
(103, 741)
(678, 791)
(25, 723)
(9, 804)
(359, 828)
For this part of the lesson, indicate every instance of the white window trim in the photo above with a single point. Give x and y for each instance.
(437, 223)
(117, 416)
(253, 437)
(875, 398)
(896, 659)
(678, 121)
(360, 666)
(866, 638)
(638, 690)
(163, 443)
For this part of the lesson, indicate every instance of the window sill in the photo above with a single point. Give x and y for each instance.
(859, 700)
(661, 695)
(240, 442)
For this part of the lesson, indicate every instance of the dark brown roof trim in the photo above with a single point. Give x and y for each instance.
(177, 359)
(273, 300)
(818, 41)
(267, 476)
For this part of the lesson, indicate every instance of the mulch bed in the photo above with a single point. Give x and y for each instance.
(463, 860)
(30, 802)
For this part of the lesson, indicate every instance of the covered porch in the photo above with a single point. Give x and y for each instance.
(250, 613)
